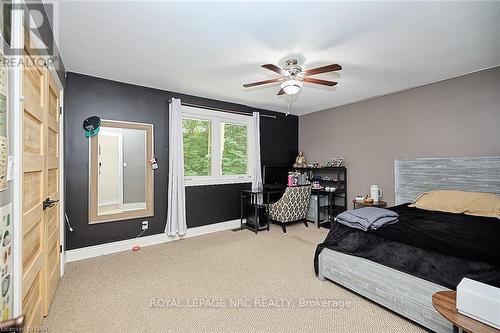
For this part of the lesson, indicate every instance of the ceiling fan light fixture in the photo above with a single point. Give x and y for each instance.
(291, 87)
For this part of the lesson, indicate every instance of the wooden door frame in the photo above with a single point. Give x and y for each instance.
(55, 78)
(17, 137)
(50, 86)
(15, 92)
(62, 214)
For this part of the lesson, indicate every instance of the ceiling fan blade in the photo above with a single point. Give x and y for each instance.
(253, 84)
(275, 68)
(281, 92)
(324, 69)
(318, 81)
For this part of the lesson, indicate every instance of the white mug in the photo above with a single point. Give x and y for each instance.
(375, 192)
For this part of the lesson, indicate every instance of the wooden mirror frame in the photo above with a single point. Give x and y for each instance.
(94, 217)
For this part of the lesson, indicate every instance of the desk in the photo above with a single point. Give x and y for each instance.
(253, 194)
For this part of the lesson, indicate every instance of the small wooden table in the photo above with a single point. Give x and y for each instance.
(445, 303)
(359, 204)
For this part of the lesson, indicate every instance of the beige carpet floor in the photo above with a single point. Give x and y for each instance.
(222, 282)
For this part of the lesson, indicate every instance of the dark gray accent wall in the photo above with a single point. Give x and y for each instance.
(86, 96)
(459, 117)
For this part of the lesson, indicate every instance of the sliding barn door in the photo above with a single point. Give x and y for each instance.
(51, 213)
(40, 224)
(33, 228)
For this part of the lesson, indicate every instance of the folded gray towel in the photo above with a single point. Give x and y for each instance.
(383, 222)
(365, 217)
(352, 224)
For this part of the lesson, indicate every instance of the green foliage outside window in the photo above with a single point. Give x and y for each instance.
(197, 147)
(234, 153)
(197, 136)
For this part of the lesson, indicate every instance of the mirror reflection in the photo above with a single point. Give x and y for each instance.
(121, 170)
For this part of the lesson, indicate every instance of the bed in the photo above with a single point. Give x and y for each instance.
(400, 266)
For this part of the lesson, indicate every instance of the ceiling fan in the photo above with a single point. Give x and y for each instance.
(293, 76)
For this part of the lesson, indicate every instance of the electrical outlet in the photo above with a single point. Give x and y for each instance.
(145, 225)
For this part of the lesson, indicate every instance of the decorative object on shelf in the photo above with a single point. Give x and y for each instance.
(368, 200)
(316, 185)
(375, 192)
(302, 179)
(316, 178)
(335, 162)
(300, 161)
(297, 178)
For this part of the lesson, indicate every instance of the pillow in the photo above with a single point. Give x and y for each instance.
(470, 203)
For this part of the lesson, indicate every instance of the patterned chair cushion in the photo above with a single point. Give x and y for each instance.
(292, 206)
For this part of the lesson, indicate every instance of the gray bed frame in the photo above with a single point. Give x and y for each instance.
(400, 292)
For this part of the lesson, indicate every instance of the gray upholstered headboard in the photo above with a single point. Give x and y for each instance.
(475, 174)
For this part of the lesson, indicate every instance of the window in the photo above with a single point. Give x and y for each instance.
(217, 147)
(197, 148)
(234, 148)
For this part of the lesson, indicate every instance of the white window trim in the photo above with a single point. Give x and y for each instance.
(216, 118)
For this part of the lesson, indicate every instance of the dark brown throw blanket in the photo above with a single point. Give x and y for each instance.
(439, 247)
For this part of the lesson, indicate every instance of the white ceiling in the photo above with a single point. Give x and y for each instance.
(211, 49)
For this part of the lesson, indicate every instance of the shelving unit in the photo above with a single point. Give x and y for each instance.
(337, 201)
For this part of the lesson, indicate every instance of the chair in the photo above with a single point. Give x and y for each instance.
(292, 207)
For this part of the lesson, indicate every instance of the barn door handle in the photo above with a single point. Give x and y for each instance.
(49, 203)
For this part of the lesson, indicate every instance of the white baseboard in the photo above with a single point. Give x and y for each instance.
(126, 245)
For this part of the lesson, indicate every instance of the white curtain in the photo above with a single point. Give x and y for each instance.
(176, 213)
(256, 167)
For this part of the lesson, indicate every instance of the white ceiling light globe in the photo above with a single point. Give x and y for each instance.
(291, 87)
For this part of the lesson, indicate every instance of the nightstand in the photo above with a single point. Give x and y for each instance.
(445, 303)
(359, 204)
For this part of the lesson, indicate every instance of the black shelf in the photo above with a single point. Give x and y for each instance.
(323, 168)
(333, 181)
(338, 179)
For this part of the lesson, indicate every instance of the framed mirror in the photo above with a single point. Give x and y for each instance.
(121, 176)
